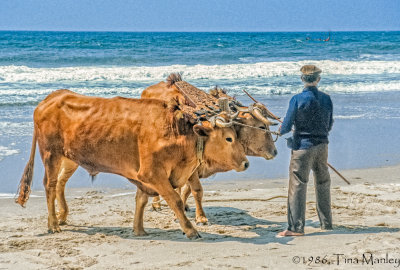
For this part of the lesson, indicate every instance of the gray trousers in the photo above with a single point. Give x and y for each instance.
(301, 163)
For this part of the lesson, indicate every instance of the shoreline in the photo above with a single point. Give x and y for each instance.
(355, 176)
(241, 230)
(363, 142)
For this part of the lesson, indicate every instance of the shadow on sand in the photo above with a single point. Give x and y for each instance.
(226, 216)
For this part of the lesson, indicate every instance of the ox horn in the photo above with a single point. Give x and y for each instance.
(233, 116)
(258, 114)
(220, 122)
(241, 109)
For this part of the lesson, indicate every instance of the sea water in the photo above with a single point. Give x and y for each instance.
(361, 72)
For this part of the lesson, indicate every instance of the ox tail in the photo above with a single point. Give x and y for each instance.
(24, 188)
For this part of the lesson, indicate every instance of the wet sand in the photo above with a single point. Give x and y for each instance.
(243, 223)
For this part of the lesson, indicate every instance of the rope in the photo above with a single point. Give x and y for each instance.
(267, 131)
(245, 200)
(239, 200)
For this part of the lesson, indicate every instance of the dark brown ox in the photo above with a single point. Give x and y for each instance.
(155, 150)
(256, 142)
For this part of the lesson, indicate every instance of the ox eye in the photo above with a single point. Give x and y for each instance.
(262, 127)
(229, 139)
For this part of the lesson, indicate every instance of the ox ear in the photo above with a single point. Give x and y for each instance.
(202, 130)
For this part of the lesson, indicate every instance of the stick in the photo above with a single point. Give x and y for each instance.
(277, 118)
(250, 96)
(190, 102)
(265, 107)
(338, 173)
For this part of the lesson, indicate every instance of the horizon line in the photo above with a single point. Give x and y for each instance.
(162, 31)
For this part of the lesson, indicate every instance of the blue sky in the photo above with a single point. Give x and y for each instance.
(200, 15)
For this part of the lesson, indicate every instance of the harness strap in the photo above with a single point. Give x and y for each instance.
(200, 149)
(199, 152)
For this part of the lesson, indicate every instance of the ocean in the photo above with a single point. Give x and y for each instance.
(361, 72)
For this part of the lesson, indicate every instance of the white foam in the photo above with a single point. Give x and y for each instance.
(355, 116)
(35, 96)
(23, 85)
(122, 194)
(18, 74)
(5, 151)
(11, 196)
(29, 94)
(15, 129)
(6, 195)
(338, 87)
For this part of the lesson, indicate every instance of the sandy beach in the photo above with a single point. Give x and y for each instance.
(244, 220)
(119, 49)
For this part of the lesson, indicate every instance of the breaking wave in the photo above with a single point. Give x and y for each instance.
(6, 151)
(18, 74)
(22, 85)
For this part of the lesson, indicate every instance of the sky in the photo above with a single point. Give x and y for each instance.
(200, 15)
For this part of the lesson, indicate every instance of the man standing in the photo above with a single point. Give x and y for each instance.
(310, 112)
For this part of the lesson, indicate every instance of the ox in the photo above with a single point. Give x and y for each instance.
(255, 141)
(155, 150)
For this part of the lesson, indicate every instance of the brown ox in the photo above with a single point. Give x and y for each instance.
(156, 150)
(256, 142)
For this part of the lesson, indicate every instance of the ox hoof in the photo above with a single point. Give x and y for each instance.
(55, 229)
(187, 208)
(156, 206)
(201, 221)
(194, 236)
(62, 222)
(141, 233)
(62, 219)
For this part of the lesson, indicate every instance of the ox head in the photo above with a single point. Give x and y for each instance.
(222, 150)
(256, 141)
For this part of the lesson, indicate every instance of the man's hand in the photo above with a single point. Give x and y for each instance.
(279, 131)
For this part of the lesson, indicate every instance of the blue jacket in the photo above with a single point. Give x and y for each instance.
(311, 114)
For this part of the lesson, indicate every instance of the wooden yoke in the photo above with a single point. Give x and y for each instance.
(223, 104)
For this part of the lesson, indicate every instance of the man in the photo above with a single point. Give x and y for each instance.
(310, 112)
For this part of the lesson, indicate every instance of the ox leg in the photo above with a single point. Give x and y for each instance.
(158, 181)
(141, 201)
(197, 191)
(156, 204)
(67, 169)
(185, 195)
(52, 164)
(174, 201)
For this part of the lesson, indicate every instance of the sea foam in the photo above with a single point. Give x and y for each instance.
(22, 85)
(5, 151)
(24, 74)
